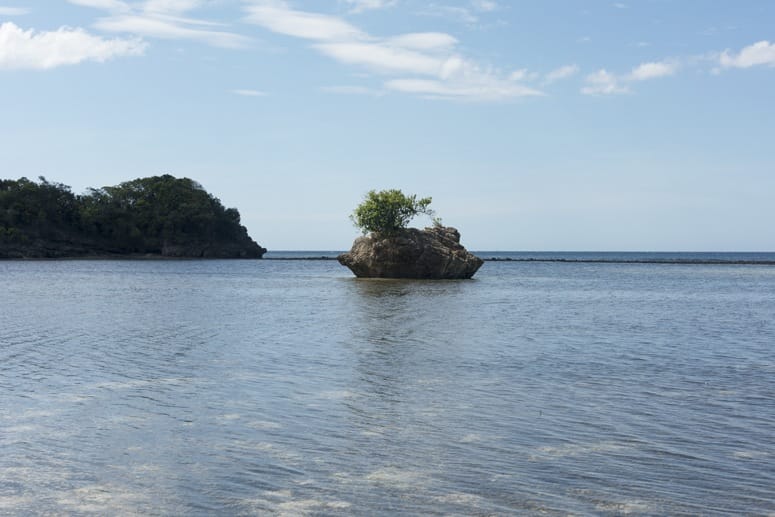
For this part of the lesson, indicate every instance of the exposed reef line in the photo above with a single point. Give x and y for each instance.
(698, 262)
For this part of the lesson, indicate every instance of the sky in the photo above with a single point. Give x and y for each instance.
(550, 125)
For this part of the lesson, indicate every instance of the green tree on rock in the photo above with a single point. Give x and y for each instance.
(388, 211)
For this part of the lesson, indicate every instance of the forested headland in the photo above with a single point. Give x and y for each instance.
(155, 216)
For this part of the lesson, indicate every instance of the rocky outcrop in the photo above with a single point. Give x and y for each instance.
(245, 249)
(54, 249)
(434, 253)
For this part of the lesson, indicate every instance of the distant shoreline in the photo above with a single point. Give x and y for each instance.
(636, 261)
(577, 260)
(588, 261)
(569, 260)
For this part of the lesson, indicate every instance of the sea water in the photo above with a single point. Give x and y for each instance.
(290, 387)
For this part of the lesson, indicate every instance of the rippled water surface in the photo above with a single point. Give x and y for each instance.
(290, 387)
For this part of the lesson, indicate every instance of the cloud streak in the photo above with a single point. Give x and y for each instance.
(278, 17)
(604, 82)
(163, 19)
(653, 70)
(422, 63)
(564, 72)
(28, 49)
(13, 11)
(359, 6)
(249, 93)
(167, 28)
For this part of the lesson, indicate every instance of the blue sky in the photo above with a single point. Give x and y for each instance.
(542, 125)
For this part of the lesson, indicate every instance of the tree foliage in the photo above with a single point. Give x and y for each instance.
(145, 215)
(388, 211)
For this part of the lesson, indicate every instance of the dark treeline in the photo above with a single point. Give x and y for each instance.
(159, 215)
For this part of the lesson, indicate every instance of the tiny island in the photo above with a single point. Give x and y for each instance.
(388, 249)
(153, 217)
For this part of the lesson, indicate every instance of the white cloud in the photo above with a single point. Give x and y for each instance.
(461, 14)
(359, 6)
(65, 46)
(161, 19)
(158, 27)
(758, 54)
(468, 15)
(278, 17)
(519, 75)
(424, 41)
(483, 89)
(620, 5)
(107, 5)
(13, 11)
(382, 58)
(603, 82)
(653, 70)
(484, 5)
(249, 93)
(353, 90)
(170, 6)
(422, 63)
(561, 73)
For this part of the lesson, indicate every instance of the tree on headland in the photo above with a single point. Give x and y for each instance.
(388, 211)
(157, 215)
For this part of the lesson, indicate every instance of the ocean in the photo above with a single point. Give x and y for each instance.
(632, 385)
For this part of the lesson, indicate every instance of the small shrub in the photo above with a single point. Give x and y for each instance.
(388, 211)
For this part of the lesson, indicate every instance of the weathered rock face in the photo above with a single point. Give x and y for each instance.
(430, 253)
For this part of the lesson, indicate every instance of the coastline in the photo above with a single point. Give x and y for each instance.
(137, 257)
(733, 258)
(570, 257)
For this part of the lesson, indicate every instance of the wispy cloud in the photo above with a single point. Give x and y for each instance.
(382, 58)
(166, 28)
(484, 5)
(13, 11)
(107, 5)
(424, 41)
(280, 18)
(164, 19)
(353, 90)
(523, 74)
(761, 53)
(653, 70)
(249, 93)
(483, 89)
(424, 63)
(359, 6)
(171, 6)
(468, 13)
(564, 72)
(603, 82)
(20, 49)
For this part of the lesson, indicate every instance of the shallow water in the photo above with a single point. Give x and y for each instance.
(290, 387)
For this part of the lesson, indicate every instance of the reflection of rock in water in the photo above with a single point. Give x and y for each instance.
(433, 253)
(402, 331)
